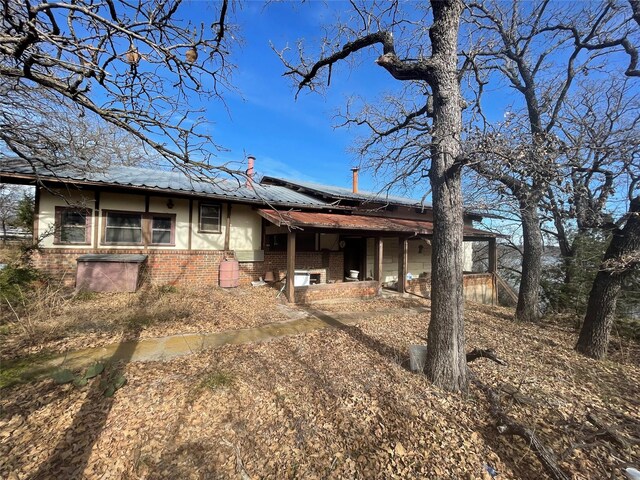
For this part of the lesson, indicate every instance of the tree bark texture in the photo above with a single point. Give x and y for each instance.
(601, 308)
(446, 364)
(529, 295)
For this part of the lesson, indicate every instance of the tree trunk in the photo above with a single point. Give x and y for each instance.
(617, 264)
(529, 294)
(446, 364)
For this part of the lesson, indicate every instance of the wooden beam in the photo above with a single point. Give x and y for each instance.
(403, 250)
(493, 256)
(377, 258)
(227, 230)
(190, 223)
(36, 215)
(493, 269)
(96, 220)
(291, 266)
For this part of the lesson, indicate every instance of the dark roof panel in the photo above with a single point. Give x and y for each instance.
(170, 181)
(345, 193)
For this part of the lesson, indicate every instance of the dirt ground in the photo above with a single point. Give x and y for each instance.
(335, 403)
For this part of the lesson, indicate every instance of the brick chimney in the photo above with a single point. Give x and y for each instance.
(355, 171)
(250, 164)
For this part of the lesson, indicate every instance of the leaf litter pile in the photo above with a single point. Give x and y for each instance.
(334, 403)
(95, 319)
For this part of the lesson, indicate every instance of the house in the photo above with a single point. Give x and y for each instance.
(322, 241)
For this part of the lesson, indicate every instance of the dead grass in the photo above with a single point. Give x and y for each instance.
(334, 403)
(53, 319)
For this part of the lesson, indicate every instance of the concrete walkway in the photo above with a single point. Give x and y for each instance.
(164, 348)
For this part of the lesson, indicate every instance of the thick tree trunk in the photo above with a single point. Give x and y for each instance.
(529, 294)
(446, 364)
(618, 263)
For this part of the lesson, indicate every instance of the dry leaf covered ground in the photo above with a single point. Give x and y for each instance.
(335, 403)
(57, 321)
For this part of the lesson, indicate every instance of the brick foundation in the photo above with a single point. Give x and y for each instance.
(163, 267)
(191, 267)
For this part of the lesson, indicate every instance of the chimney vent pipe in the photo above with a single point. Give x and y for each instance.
(355, 179)
(250, 169)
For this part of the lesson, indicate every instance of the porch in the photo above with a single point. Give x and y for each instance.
(357, 255)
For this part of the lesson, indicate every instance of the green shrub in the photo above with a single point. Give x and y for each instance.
(15, 282)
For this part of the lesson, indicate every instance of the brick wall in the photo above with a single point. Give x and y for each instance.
(419, 286)
(190, 267)
(163, 267)
(332, 291)
(332, 262)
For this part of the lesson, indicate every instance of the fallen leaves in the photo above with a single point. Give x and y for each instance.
(328, 404)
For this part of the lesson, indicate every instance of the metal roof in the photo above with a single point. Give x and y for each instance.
(340, 193)
(359, 222)
(160, 180)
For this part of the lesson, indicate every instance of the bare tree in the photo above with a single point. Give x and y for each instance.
(540, 49)
(45, 126)
(602, 194)
(433, 66)
(136, 65)
(599, 130)
(620, 261)
(9, 199)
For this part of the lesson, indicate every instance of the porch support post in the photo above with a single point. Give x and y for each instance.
(403, 248)
(377, 259)
(291, 266)
(493, 269)
(493, 257)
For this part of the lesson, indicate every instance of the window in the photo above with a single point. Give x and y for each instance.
(276, 243)
(123, 228)
(210, 218)
(73, 226)
(126, 228)
(305, 242)
(161, 230)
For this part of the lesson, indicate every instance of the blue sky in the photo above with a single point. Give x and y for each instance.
(290, 138)
(296, 138)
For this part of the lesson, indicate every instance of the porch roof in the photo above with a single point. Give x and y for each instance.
(336, 221)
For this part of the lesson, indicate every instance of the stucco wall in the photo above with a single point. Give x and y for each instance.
(245, 233)
(45, 217)
(246, 228)
(208, 241)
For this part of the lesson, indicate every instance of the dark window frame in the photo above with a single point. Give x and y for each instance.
(149, 219)
(57, 234)
(216, 205)
(305, 242)
(146, 226)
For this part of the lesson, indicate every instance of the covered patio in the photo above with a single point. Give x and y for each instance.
(382, 250)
